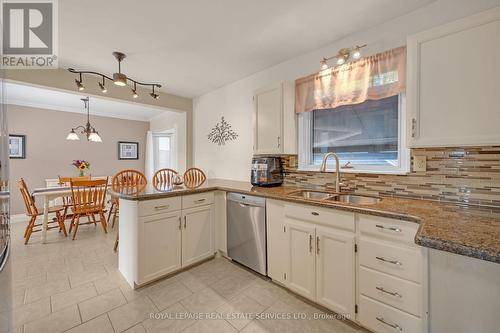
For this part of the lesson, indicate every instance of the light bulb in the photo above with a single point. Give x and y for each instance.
(79, 85)
(324, 64)
(134, 93)
(356, 54)
(340, 61)
(103, 88)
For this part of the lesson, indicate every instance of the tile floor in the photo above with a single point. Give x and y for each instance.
(75, 286)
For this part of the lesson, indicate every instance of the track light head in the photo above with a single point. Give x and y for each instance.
(134, 93)
(324, 64)
(154, 95)
(79, 85)
(103, 88)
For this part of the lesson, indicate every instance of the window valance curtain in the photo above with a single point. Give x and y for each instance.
(375, 77)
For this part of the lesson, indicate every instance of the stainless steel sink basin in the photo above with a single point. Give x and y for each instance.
(355, 199)
(315, 195)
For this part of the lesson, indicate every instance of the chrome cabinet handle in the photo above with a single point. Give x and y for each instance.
(310, 243)
(317, 245)
(395, 326)
(394, 262)
(185, 222)
(162, 207)
(199, 200)
(413, 127)
(388, 228)
(279, 141)
(180, 223)
(315, 213)
(392, 293)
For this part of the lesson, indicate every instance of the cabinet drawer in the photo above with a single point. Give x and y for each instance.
(395, 230)
(404, 262)
(199, 199)
(329, 217)
(157, 206)
(399, 293)
(382, 318)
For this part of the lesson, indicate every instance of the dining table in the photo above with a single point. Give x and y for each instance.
(48, 194)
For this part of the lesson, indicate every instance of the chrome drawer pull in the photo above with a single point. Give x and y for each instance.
(389, 292)
(388, 228)
(310, 243)
(394, 262)
(162, 207)
(315, 213)
(395, 326)
(199, 200)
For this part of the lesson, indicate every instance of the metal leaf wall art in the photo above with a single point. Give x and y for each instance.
(222, 133)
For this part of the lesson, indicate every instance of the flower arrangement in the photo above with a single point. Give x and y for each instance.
(81, 165)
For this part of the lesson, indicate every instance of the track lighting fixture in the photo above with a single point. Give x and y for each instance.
(134, 91)
(343, 56)
(119, 79)
(103, 87)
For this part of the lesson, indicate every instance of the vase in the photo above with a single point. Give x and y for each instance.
(82, 173)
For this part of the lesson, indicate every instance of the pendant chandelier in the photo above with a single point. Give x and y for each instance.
(119, 79)
(89, 130)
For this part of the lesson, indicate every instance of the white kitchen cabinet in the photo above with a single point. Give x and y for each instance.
(452, 91)
(335, 268)
(197, 234)
(274, 120)
(277, 242)
(301, 254)
(160, 254)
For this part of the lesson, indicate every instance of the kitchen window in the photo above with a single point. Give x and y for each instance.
(367, 137)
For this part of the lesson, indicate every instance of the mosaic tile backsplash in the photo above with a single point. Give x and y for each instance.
(469, 175)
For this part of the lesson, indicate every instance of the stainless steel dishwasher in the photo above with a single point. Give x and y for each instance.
(246, 231)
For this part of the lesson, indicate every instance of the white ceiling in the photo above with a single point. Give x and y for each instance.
(71, 102)
(192, 47)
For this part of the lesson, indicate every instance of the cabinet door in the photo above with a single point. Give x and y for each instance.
(335, 270)
(268, 104)
(301, 251)
(197, 234)
(277, 249)
(451, 103)
(160, 241)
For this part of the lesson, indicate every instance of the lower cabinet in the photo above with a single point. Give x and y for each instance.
(321, 264)
(197, 244)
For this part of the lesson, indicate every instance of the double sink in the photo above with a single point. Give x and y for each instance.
(337, 197)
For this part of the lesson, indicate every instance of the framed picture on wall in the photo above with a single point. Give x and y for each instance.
(128, 150)
(17, 146)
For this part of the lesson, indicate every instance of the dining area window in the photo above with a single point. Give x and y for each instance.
(164, 150)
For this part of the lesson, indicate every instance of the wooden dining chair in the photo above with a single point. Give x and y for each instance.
(194, 177)
(88, 198)
(163, 179)
(66, 181)
(126, 182)
(33, 212)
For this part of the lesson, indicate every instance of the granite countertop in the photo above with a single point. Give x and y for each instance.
(468, 230)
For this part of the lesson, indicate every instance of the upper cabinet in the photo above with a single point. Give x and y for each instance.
(453, 83)
(274, 120)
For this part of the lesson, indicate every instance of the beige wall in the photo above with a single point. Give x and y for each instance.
(49, 154)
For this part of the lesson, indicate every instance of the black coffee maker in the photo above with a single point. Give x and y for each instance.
(267, 171)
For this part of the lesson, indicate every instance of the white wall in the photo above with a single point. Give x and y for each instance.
(234, 101)
(177, 121)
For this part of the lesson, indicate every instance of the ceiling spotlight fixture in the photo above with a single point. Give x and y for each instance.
(79, 83)
(343, 56)
(153, 94)
(134, 91)
(102, 86)
(119, 79)
(89, 131)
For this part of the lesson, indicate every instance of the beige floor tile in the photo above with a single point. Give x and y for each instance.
(210, 326)
(96, 306)
(265, 292)
(240, 310)
(196, 283)
(100, 324)
(72, 296)
(167, 295)
(46, 290)
(128, 315)
(88, 275)
(171, 320)
(203, 301)
(30, 312)
(255, 327)
(136, 329)
(55, 322)
(233, 285)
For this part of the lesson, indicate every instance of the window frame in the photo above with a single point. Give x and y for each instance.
(171, 134)
(305, 140)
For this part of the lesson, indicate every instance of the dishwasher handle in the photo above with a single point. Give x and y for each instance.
(248, 205)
